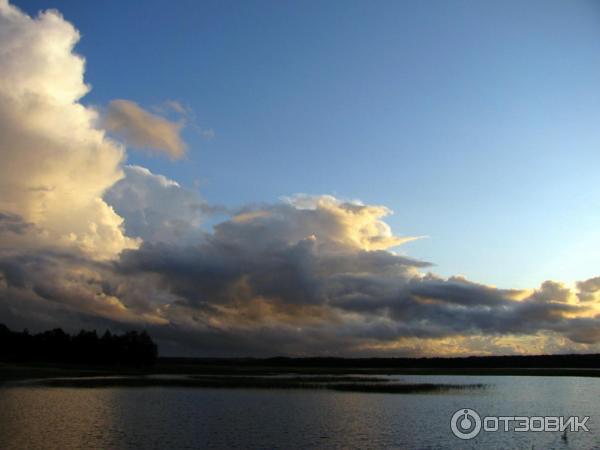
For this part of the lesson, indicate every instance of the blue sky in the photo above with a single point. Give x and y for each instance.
(476, 122)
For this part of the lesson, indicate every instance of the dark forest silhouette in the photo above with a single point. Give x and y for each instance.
(469, 362)
(85, 347)
(136, 348)
(571, 361)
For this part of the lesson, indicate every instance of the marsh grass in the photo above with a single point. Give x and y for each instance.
(343, 383)
(405, 388)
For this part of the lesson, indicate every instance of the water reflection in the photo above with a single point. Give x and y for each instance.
(131, 418)
(57, 418)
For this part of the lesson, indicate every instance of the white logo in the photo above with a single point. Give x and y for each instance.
(465, 423)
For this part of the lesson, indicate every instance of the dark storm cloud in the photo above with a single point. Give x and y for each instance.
(13, 223)
(588, 288)
(262, 271)
(222, 300)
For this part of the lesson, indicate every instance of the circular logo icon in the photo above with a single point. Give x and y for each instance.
(465, 423)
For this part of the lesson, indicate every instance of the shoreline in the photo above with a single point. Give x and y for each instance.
(10, 372)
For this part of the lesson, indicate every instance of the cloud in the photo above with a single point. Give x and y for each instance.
(207, 133)
(143, 130)
(589, 289)
(157, 209)
(55, 164)
(49, 288)
(176, 106)
(297, 273)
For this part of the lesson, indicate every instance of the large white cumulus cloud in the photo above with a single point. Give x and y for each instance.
(56, 164)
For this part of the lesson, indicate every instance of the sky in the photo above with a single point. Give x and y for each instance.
(404, 177)
(476, 123)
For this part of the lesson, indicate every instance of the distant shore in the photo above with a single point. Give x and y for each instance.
(299, 366)
(177, 374)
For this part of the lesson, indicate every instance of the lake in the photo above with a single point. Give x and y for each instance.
(34, 417)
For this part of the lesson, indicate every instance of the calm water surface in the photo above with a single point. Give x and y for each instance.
(177, 418)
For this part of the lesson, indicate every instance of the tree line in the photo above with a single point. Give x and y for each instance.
(86, 347)
(579, 361)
